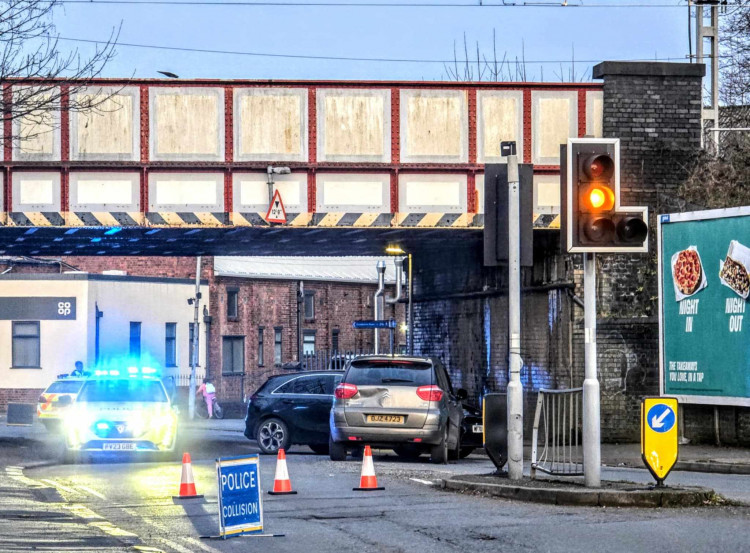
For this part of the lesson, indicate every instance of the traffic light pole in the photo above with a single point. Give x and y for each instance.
(591, 412)
(515, 389)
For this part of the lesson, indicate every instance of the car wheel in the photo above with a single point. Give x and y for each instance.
(439, 452)
(465, 452)
(71, 457)
(320, 449)
(336, 451)
(272, 436)
(410, 452)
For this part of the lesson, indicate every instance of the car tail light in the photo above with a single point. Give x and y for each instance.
(430, 393)
(345, 391)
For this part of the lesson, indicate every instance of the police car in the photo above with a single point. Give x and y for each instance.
(121, 411)
(52, 402)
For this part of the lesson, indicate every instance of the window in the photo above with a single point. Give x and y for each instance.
(191, 337)
(170, 345)
(232, 309)
(135, 341)
(309, 305)
(308, 342)
(233, 355)
(277, 345)
(335, 340)
(260, 346)
(26, 345)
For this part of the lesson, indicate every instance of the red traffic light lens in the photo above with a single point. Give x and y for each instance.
(599, 167)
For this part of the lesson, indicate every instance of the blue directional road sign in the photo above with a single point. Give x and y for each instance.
(374, 324)
(661, 418)
(240, 507)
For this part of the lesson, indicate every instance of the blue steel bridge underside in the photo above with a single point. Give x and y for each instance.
(185, 241)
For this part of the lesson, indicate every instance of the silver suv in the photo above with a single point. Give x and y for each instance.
(398, 402)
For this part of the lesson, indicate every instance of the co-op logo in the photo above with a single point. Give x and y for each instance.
(64, 308)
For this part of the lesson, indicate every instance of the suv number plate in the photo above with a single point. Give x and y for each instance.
(119, 446)
(390, 419)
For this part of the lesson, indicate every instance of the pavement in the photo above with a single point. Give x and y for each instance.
(474, 475)
(694, 458)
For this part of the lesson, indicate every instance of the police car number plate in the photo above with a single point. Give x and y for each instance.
(119, 446)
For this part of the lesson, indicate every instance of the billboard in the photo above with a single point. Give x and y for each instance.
(704, 283)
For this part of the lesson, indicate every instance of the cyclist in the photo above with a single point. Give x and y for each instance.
(209, 395)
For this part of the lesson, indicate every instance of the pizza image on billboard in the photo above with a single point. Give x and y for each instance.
(687, 273)
(734, 269)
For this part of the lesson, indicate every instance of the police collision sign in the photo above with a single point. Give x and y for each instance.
(240, 507)
(704, 289)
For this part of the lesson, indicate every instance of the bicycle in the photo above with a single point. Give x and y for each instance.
(201, 409)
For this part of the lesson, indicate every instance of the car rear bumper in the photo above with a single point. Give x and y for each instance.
(386, 436)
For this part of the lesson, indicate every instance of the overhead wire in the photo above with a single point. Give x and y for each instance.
(345, 4)
(332, 58)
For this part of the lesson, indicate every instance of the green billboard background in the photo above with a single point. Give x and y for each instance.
(705, 343)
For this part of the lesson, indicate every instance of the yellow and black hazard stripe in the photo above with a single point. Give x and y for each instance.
(547, 221)
(253, 219)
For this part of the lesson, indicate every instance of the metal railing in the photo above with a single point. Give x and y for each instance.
(327, 360)
(559, 414)
(183, 379)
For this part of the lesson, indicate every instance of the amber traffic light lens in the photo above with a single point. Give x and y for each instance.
(598, 198)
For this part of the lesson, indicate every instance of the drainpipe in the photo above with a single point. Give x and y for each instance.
(399, 263)
(378, 303)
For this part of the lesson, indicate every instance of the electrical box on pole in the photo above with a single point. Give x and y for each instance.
(592, 219)
(496, 214)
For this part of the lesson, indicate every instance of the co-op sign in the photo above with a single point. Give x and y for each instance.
(38, 309)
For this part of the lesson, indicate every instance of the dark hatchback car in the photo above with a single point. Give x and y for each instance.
(291, 409)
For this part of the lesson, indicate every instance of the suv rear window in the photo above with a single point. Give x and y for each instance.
(64, 387)
(368, 372)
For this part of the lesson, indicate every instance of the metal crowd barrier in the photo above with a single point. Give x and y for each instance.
(558, 421)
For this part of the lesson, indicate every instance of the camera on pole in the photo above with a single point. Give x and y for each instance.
(592, 219)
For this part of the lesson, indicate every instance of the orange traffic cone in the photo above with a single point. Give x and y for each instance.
(368, 481)
(187, 484)
(281, 483)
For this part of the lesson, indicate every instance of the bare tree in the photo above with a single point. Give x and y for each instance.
(734, 62)
(40, 79)
(480, 68)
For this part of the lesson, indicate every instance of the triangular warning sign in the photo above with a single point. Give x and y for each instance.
(276, 212)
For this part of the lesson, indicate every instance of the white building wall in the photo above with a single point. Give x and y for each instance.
(153, 304)
(122, 300)
(61, 343)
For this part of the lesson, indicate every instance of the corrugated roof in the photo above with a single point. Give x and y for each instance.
(338, 269)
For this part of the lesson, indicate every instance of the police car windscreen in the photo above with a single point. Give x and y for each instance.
(370, 372)
(62, 387)
(123, 390)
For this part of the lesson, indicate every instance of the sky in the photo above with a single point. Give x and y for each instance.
(604, 30)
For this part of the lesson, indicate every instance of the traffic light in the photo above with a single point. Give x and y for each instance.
(592, 219)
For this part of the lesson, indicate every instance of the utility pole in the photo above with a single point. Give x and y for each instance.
(710, 32)
(591, 430)
(194, 358)
(515, 389)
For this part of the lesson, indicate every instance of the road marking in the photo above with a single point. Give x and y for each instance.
(425, 482)
(173, 545)
(83, 512)
(16, 473)
(147, 549)
(92, 492)
(59, 486)
(109, 528)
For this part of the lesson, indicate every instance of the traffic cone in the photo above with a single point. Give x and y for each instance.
(281, 483)
(368, 481)
(187, 484)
